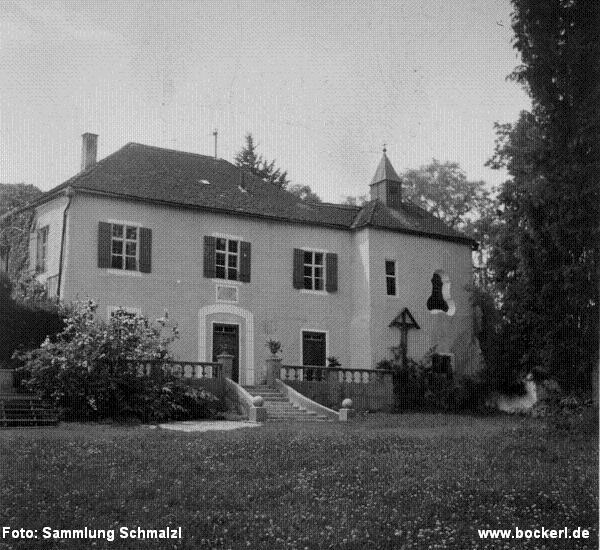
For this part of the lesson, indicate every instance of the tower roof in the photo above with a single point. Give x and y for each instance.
(385, 171)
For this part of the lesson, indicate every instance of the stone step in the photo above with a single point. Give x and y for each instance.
(279, 409)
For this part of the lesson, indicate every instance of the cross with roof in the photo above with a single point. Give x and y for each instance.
(404, 321)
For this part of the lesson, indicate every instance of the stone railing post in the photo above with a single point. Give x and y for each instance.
(346, 412)
(273, 370)
(226, 361)
(257, 412)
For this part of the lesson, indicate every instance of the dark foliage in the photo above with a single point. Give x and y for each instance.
(14, 231)
(25, 322)
(545, 258)
(418, 388)
(250, 160)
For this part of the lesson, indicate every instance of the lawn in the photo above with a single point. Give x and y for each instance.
(406, 481)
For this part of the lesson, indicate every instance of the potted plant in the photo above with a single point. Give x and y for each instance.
(274, 346)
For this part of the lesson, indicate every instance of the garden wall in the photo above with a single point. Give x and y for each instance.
(371, 396)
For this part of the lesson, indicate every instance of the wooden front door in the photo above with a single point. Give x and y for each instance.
(226, 339)
(314, 349)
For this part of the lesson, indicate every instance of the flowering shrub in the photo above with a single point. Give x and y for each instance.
(85, 370)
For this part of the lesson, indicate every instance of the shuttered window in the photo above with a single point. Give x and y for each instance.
(126, 247)
(228, 259)
(315, 270)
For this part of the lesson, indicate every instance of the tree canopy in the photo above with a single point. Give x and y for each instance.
(250, 160)
(14, 231)
(304, 192)
(546, 256)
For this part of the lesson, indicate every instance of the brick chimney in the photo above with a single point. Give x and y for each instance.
(89, 147)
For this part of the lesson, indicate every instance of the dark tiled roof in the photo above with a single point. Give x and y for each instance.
(410, 218)
(173, 177)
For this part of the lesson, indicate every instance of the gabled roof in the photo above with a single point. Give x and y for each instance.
(385, 171)
(165, 176)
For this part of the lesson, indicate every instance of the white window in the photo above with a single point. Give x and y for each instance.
(124, 247)
(390, 277)
(227, 259)
(314, 270)
(41, 250)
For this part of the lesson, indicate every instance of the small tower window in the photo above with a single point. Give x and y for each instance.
(390, 277)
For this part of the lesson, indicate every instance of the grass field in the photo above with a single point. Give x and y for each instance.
(406, 481)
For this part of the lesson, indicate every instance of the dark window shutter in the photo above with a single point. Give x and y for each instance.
(32, 251)
(210, 244)
(298, 278)
(145, 250)
(104, 242)
(331, 272)
(245, 262)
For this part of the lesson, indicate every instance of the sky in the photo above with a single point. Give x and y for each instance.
(321, 85)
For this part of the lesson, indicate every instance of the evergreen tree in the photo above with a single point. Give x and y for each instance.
(248, 159)
(546, 258)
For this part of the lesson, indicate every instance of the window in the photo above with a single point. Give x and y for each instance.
(441, 363)
(124, 247)
(227, 259)
(390, 277)
(42, 249)
(314, 270)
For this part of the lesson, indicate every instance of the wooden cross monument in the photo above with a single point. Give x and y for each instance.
(404, 321)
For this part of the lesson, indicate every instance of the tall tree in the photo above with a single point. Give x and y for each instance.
(304, 192)
(442, 188)
(250, 160)
(14, 230)
(547, 257)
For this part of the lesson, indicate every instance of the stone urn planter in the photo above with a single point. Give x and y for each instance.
(273, 362)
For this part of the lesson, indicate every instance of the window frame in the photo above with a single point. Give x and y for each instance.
(393, 277)
(237, 254)
(124, 240)
(41, 263)
(318, 330)
(313, 265)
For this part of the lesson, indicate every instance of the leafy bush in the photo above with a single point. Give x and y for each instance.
(87, 372)
(418, 388)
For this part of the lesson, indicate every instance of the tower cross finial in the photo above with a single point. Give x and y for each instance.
(384, 148)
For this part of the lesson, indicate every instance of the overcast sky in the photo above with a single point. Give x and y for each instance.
(321, 84)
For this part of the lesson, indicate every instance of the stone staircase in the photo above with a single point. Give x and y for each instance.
(22, 410)
(280, 409)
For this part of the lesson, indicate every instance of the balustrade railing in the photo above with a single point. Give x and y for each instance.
(181, 369)
(333, 374)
